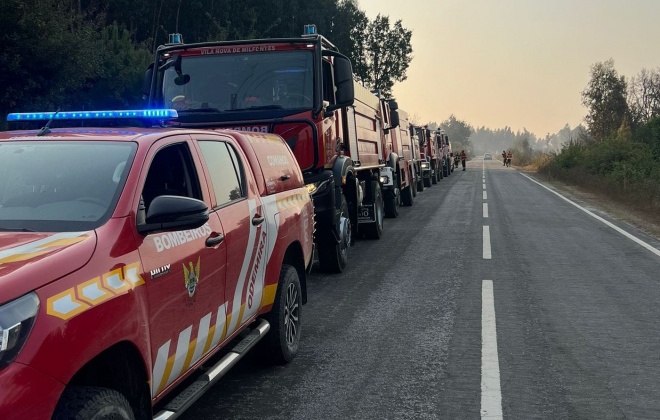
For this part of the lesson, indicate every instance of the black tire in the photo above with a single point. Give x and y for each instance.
(83, 402)
(333, 255)
(392, 201)
(413, 186)
(441, 173)
(407, 195)
(420, 183)
(434, 176)
(375, 230)
(282, 342)
(428, 182)
(391, 210)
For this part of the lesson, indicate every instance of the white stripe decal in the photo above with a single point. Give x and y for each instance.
(181, 353)
(219, 325)
(159, 367)
(271, 227)
(202, 335)
(249, 252)
(37, 245)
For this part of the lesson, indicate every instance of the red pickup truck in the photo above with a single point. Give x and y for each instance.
(130, 256)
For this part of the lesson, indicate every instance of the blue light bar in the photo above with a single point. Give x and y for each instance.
(309, 30)
(175, 39)
(95, 115)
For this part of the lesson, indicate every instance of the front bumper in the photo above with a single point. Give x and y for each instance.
(26, 393)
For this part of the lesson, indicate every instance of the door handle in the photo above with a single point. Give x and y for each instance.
(216, 240)
(257, 220)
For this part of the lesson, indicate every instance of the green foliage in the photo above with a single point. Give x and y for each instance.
(386, 53)
(572, 155)
(605, 98)
(459, 133)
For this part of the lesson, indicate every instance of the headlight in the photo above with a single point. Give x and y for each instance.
(384, 179)
(425, 165)
(16, 319)
(317, 187)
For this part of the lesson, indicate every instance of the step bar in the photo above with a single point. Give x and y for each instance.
(188, 396)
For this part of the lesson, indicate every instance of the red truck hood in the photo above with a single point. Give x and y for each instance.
(30, 260)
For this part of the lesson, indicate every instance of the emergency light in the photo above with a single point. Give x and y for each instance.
(176, 39)
(309, 30)
(94, 115)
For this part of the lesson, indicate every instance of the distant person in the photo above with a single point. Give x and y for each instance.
(463, 158)
(509, 155)
(503, 157)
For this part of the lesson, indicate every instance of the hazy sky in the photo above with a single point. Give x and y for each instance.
(516, 63)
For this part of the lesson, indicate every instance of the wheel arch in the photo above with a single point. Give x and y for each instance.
(121, 368)
(294, 257)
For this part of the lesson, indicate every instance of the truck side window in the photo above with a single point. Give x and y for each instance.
(225, 169)
(328, 85)
(172, 172)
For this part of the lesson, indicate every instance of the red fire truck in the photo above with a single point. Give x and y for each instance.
(302, 89)
(431, 165)
(129, 257)
(401, 144)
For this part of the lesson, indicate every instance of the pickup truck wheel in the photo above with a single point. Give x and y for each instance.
(282, 342)
(333, 255)
(82, 402)
(375, 230)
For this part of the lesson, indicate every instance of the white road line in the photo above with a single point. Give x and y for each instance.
(613, 226)
(487, 253)
(491, 392)
(485, 210)
(485, 196)
(484, 185)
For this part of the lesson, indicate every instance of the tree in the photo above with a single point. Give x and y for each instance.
(644, 95)
(459, 133)
(386, 54)
(605, 98)
(347, 33)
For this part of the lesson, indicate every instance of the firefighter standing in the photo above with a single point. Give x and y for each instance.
(463, 157)
(503, 157)
(509, 155)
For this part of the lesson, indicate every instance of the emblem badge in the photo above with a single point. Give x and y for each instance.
(191, 277)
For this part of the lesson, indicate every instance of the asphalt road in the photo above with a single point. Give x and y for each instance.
(411, 330)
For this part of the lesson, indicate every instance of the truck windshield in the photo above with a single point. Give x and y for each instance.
(59, 186)
(241, 81)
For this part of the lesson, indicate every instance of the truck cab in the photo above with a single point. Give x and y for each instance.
(294, 87)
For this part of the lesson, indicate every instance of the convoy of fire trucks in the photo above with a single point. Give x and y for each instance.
(359, 165)
(261, 153)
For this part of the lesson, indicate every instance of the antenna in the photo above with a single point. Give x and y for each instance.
(46, 128)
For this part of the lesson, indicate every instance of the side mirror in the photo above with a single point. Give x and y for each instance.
(146, 83)
(343, 74)
(394, 118)
(393, 105)
(171, 212)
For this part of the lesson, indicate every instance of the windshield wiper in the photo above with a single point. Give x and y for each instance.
(4, 229)
(257, 107)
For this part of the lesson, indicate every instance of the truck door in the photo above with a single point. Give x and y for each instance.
(184, 270)
(238, 206)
